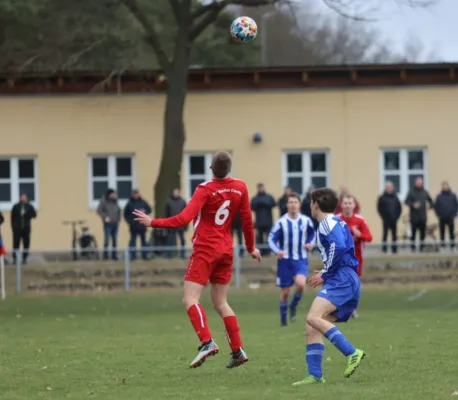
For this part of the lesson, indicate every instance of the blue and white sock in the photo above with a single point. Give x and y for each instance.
(296, 299)
(283, 312)
(339, 340)
(314, 358)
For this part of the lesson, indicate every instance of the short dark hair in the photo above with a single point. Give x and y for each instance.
(221, 164)
(294, 195)
(326, 198)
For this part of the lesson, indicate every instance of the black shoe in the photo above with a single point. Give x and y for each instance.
(237, 358)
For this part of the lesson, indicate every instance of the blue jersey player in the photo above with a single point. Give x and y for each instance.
(290, 239)
(339, 296)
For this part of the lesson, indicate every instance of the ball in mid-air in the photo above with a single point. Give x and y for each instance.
(244, 29)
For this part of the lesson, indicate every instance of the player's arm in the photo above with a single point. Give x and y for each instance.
(335, 249)
(310, 232)
(366, 235)
(246, 219)
(190, 212)
(274, 237)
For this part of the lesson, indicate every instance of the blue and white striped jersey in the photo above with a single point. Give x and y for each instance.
(336, 246)
(291, 235)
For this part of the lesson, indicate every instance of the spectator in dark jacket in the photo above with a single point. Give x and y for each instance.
(446, 207)
(283, 200)
(21, 223)
(136, 202)
(110, 212)
(237, 230)
(176, 204)
(305, 206)
(418, 201)
(389, 208)
(262, 205)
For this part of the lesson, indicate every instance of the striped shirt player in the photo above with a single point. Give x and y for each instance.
(290, 240)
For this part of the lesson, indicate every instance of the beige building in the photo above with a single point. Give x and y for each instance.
(65, 150)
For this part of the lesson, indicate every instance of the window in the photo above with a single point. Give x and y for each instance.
(110, 172)
(197, 170)
(402, 167)
(304, 169)
(17, 175)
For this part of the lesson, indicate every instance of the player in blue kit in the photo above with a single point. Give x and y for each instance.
(290, 239)
(339, 296)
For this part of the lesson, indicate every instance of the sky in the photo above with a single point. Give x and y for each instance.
(436, 27)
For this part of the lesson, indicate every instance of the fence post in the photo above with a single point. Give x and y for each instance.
(237, 266)
(127, 270)
(18, 271)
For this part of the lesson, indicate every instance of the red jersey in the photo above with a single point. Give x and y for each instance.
(213, 207)
(358, 222)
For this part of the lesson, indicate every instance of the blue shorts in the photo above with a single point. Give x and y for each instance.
(287, 269)
(343, 290)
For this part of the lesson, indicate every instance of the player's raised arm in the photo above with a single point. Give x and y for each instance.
(335, 250)
(246, 218)
(274, 237)
(190, 212)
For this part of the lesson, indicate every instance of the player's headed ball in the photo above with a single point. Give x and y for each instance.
(244, 29)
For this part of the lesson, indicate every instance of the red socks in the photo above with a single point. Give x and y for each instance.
(199, 322)
(233, 332)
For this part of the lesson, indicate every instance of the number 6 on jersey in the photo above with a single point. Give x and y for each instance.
(222, 214)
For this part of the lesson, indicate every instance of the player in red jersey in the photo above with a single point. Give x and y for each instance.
(359, 229)
(213, 207)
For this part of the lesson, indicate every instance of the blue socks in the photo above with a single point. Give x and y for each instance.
(314, 357)
(283, 312)
(296, 299)
(339, 340)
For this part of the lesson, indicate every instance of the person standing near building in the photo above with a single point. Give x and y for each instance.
(262, 205)
(446, 207)
(22, 214)
(283, 201)
(110, 212)
(175, 205)
(136, 202)
(389, 208)
(418, 201)
(344, 192)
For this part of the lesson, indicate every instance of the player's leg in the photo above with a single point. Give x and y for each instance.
(220, 279)
(300, 278)
(285, 279)
(195, 280)
(318, 318)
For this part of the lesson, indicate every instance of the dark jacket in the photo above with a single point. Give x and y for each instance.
(305, 206)
(237, 222)
(2, 218)
(389, 207)
(421, 196)
(136, 204)
(282, 204)
(262, 205)
(109, 208)
(21, 216)
(173, 207)
(446, 205)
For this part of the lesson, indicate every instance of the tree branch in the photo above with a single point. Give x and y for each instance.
(151, 35)
(175, 9)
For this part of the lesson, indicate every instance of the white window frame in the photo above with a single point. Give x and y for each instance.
(404, 172)
(15, 180)
(112, 178)
(206, 176)
(306, 174)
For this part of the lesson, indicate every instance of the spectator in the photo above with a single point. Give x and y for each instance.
(2, 218)
(283, 200)
(446, 207)
(2, 245)
(389, 208)
(417, 200)
(262, 205)
(136, 202)
(343, 193)
(175, 204)
(22, 214)
(305, 206)
(237, 229)
(110, 212)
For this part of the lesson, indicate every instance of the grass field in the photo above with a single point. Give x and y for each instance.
(139, 346)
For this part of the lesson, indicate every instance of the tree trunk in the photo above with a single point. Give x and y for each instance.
(174, 137)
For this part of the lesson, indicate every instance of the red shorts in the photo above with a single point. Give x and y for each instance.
(205, 267)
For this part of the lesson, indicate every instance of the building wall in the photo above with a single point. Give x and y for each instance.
(351, 124)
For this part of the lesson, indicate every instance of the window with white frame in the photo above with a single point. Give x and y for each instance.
(197, 170)
(110, 172)
(305, 169)
(18, 175)
(402, 167)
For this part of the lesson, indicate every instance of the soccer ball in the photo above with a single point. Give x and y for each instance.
(244, 29)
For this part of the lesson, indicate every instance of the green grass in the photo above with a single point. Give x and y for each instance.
(139, 347)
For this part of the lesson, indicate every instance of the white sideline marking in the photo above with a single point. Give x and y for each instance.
(418, 295)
